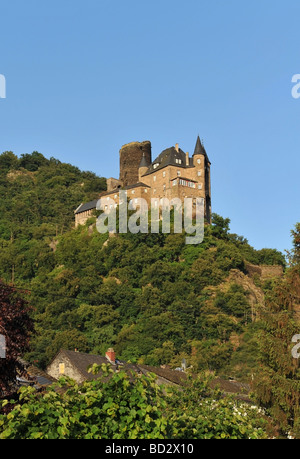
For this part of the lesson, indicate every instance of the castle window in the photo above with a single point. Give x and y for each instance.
(200, 186)
(174, 182)
(187, 183)
(145, 190)
(133, 191)
(199, 161)
(164, 187)
(199, 173)
(164, 174)
(154, 178)
(178, 173)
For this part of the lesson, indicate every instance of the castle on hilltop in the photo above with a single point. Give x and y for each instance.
(173, 174)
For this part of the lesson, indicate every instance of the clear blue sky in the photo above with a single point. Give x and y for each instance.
(85, 77)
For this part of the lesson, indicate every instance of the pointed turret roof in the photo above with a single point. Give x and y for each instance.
(144, 162)
(199, 149)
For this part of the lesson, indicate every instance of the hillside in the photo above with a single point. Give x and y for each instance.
(153, 298)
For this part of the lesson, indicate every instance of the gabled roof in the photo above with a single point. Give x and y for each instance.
(87, 206)
(83, 361)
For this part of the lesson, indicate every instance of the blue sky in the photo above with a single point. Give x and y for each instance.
(85, 77)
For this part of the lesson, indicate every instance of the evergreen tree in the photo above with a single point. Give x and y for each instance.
(277, 383)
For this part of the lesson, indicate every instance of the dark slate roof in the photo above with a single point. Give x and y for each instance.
(199, 149)
(173, 376)
(144, 162)
(35, 376)
(83, 361)
(168, 158)
(87, 206)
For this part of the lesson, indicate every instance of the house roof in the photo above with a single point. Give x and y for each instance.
(34, 376)
(173, 376)
(168, 157)
(87, 206)
(82, 361)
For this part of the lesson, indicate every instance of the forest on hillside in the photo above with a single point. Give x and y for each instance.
(153, 298)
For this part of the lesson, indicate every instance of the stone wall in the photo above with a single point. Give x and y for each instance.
(264, 272)
(61, 366)
(112, 184)
(130, 158)
(82, 217)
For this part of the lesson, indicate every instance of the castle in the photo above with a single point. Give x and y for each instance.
(173, 174)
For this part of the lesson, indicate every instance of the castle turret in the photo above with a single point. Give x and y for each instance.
(202, 165)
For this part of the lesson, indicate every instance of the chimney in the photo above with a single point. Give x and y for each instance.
(111, 355)
(187, 159)
(177, 147)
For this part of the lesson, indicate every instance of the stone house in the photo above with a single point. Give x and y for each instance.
(75, 365)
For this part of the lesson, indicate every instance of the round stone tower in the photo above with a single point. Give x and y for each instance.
(131, 155)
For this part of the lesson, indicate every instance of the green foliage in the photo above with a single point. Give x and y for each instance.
(150, 296)
(276, 384)
(123, 406)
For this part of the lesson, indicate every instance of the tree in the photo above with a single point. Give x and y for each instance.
(16, 326)
(220, 226)
(277, 384)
